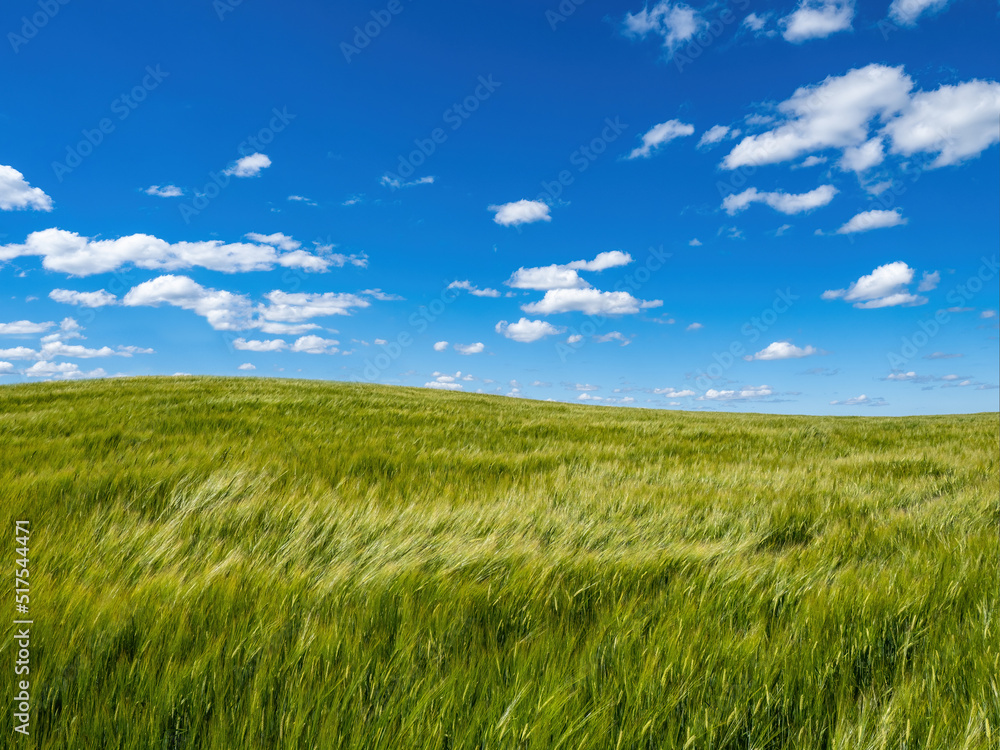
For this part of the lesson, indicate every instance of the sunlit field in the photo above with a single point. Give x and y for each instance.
(245, 563)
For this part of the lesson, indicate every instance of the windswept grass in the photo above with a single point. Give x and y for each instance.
(234, 563)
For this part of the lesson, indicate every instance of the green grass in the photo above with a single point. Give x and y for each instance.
(236, 563)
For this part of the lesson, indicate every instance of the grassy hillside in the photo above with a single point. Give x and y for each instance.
(234, 563)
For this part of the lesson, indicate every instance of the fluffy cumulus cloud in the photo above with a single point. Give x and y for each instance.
(520, 212)
(675, 22)
(659, 135)
(906, 12)
(954, 122)
(441, 346)
(877, 218)
(16, 193)
(70, 253)
(473, 289)
(56, 349)
(476, 348)
(782, 350)
(100, 298)
(526, 331)
(444, 382)
(589, 302)
(866, 109)
(566, 276)
(315, 345)
(886, 286)
(249, 166)
(61, 371)
(786, 203)
(255, 345)
(816, 19)
(283, 312)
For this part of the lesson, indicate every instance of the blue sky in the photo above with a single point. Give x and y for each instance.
(784, 207)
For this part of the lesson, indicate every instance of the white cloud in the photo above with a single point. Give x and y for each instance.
(68, 252)
(301, 199)
(249, 166)
(166, 191)
(246, 366)
(694, 327)
(16, 193)
(565, 276)
(19, 352)
(906, 12)
(861, 400)
(955, 122)
(473, 290)
(520, 212)
(589, 302)
(886, 286)
(603, 261)
(6, 368)
(713, 135)
(526, 331)
(987, 314)
(395, 183)
(574, 338)
(24, 328)
(100, 298)
(832, 114)
(672, 393)
(278, 240)
(816, 19)
(476, 348)
(660, 134)
(929, 281)
(676, 23)
(61, 371)
(755, 22)
(441, 346)
(695, 242)
(613, 336)
(745, 393)
(859, 158)
(223, 310)
(444, 383)
(286, 307)
(874, 219)
(546, 277)
(256, 345)
(315, 345)
(786, 203)
(782, 350)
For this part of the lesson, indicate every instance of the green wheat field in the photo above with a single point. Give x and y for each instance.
(248, 563)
